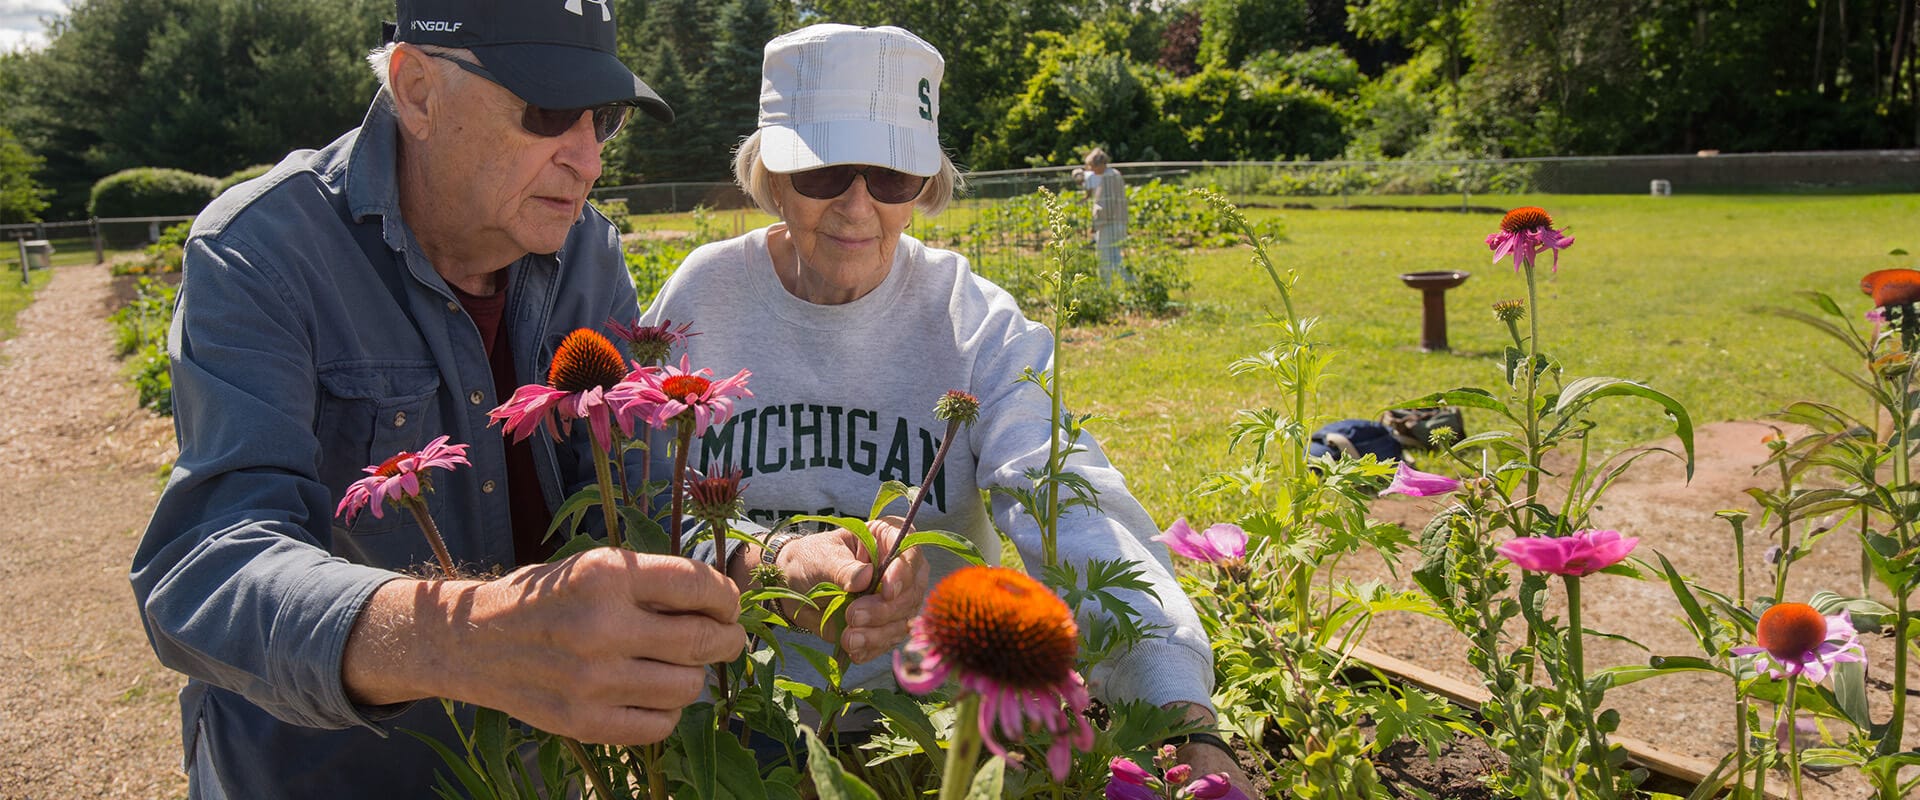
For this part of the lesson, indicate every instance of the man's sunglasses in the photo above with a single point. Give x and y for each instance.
(550, 122)
(883, 185)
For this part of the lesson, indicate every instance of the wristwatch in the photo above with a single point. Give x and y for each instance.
(770, 554)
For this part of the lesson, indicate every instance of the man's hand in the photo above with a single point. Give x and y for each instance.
(877, 623)
(605, 646)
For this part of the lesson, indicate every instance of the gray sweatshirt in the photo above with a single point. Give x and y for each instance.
(843, 400)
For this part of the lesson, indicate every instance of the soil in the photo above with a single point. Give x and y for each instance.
(86, 710)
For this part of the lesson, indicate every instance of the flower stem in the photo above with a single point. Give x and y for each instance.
(604, 474)
(919, 497)
(682, 441)
(1902, 594)
(594, 775)
(419, 509)
(1576, 661)
(724, 691)
(1793, 734)
(1533, 391)
(957, 778)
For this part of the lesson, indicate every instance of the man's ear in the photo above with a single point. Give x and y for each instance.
(417, 90)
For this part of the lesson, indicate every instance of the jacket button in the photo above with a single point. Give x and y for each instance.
(476, 397)
(399, 419)
(453, 306)
(487, 487)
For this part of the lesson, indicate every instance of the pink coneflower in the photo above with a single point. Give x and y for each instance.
(650, 344)
(1795, 639)
(400, 478)
(1220, 544)
(1130, 781)
(660, 396)
(585, 369)
(1011, 642)
(1584, 553)
(1524, 233)
(403, 479)
(714, 498)
(1414, 483)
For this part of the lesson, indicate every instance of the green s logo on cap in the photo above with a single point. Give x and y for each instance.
(926, 99)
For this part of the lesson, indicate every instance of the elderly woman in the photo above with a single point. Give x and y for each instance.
(853, 330)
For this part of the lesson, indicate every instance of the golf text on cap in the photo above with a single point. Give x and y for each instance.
(579, 10)
(435, 25)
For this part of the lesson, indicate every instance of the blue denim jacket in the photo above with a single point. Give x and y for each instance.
(312, 338)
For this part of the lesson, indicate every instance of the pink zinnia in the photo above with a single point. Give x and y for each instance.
(1795, 639)
(1584, 553)
(586, 367)
(399, 478)
(1011, 641)
(650, 344)
(1220, 544)
(1414, 483)
(659, 396)
(1524, 233)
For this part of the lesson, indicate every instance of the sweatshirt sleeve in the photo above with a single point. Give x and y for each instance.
(1012, 437)
(233, 584)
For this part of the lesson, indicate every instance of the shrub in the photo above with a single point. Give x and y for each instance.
(140, 335)
(241, 176)
(150, 192)
(161, 256)
(616, 212)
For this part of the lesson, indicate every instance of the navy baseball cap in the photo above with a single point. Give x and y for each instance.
(550, 53)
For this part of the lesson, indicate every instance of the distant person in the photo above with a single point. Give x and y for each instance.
(363, 299)
(1108, 193)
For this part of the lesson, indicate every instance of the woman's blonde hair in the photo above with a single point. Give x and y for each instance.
(758, 182)
(1098, 158)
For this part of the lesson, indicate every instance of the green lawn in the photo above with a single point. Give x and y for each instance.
(1662, 290)
(15, 295)
(1669, 291)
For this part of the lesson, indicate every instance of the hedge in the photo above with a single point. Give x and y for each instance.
(151, 192)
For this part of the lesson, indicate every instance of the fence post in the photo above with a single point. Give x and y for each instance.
(40, 230)
(25, 276)
(99, 244)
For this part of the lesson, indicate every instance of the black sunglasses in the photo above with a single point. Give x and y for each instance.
(883, 185)
(550, 122)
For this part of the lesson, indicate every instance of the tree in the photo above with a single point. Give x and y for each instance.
(203, 85)
(21, 199)
(1231, 31)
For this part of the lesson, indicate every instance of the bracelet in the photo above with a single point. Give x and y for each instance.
(1203, 737)
(770, 553)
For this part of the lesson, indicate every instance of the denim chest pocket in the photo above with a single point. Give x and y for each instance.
(369, 411)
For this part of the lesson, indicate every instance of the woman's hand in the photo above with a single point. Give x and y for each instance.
(874, 624)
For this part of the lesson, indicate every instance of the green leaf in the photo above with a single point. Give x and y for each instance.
(643, 533)
(906, 716)
(1584, 391)
(1466, 397)
(950, 542)
(889, 492)
(475, 785)
(697, 734)
(1696, 616)
(580, 543)
(988, 781)
(829, 778)
(1657, 666)
(1850, 689)
(1810, 697)
(855, 525)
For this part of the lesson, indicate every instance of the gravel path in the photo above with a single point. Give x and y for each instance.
(85, 709)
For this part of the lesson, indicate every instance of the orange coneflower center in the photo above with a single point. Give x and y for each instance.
(1003, 625)
(1525, 218)
(585, 360)
(687, 388)
(1789, 630)
(391, 466)
(1892, 287)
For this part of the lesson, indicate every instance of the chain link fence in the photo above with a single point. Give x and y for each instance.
(1418, 183)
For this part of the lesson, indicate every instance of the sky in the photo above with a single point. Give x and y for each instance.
(21, 24)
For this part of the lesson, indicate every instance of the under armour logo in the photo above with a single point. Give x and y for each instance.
(574, 6)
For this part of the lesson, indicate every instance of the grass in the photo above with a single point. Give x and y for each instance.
(1667, 291)
(15, 296)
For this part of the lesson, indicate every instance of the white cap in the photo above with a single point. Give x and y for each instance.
(840, 94)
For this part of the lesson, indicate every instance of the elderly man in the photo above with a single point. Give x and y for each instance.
(360, 300)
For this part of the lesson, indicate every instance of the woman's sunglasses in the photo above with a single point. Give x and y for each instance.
(550, 122)
(883, 185)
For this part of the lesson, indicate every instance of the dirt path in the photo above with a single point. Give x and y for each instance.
(85, 709)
